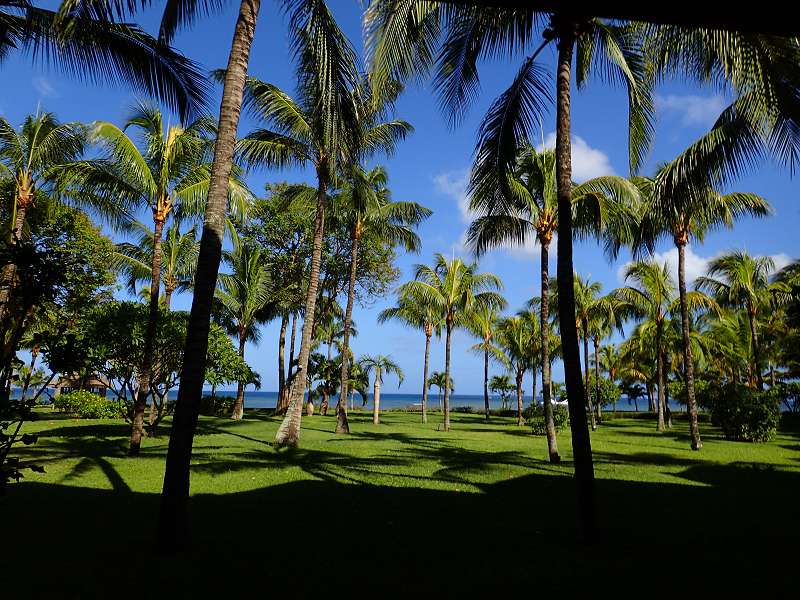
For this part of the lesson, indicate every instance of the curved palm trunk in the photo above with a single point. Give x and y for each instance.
(376, 399)
(581, 444)
(547, 397)
(446, 404)
(586, 389)
(342, 425)
(751, 317)
(428, 333)
(23, 201)
(282, 359)
(173, 526)
(660, 378)
(238, 405)
(597, 403)
(289, 431)
(688, 359)
(520, 374)
(486, 382)
(149, 345)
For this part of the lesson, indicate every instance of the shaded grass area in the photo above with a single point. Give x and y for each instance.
(402, 508)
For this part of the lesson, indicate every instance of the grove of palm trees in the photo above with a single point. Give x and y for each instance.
(368, 292)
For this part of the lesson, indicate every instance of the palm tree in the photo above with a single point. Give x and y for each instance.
(501, 384)
(382, 365)
(442, 382)
(482, 324)
(404, 37)
(91, 46)
(740, 280)
(526, 208)
(674, 205)
(369, 208)
(178, 261)
(516, 335)
(455, 289)
(243, 295)
(415, 311)
(604, 315)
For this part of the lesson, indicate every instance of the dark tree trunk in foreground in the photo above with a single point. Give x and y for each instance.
(238, 404)
(144, 375)
(289, 431)
(23, 201)
(428, 334)
(688, 359)
(581, 444)
(659, 378)
(173, 525)
(547, 398)
(342, 425)
(446, 405)
(486, 382)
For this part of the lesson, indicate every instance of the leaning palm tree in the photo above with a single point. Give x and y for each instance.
(243, 295)
(416, 312)
(406, 38)
(178, 261)
(526, 208)
(456, 289)
(482, 324)
(370, 209)
(381, 365)
(439, 380)
(740, 280)
(685, 205)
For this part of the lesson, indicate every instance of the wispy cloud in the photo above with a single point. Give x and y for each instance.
(696, 265)
(43, 86)
(453, 185)
(692, 110)
(587, 162)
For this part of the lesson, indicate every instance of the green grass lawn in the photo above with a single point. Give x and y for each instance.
(402, 508)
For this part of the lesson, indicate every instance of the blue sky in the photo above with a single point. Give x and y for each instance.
(431, 167)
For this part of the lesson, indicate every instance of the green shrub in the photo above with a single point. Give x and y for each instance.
(535, 418)
(787, 394)
(743, 414)
(677, 392)
(86, 405)
(217, 406)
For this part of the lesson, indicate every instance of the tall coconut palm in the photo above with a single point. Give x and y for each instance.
(178, 261)
(370, 209)
(455, 289)
(482, 323)
(243, 295)
(515, 335)
(676, 205)
(415, 311)
(407, 38)
(524, 208)
(381, 365)
(740, 280)
(439, 380)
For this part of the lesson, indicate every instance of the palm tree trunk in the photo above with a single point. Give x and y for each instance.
(341, 407)
(751, 316)
(376, 399)
(688, 359)
(533, 387)
(283, 400)
(446, 405)
(149, 345)
(520, 374)
(238, 405)
(168, 291)
(586, 389)
(581, 444)
(10, 270)
(486, 382)
(173, 526)
(660, 379)
(289, 431)
(597, 402)
(425, 377)
(282, 359)
(547, 396)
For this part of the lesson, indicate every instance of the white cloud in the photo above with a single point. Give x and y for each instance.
(43, 87)
(587, 162)
(692, 110)
(696, 265)
(453, 184)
